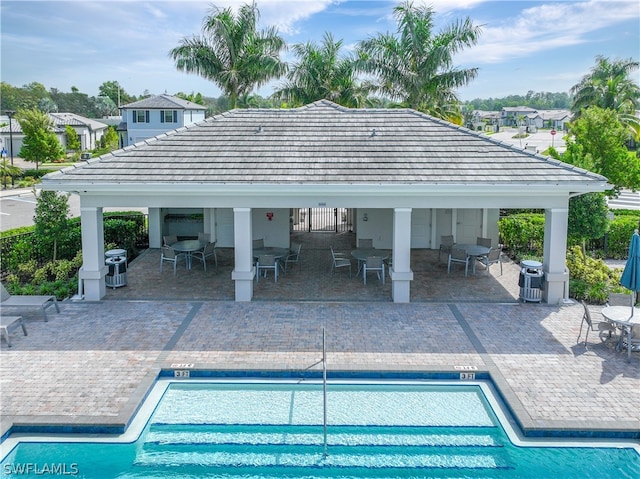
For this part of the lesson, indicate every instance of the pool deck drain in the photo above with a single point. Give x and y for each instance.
(95, 361)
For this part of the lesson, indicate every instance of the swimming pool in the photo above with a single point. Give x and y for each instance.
(267, 429)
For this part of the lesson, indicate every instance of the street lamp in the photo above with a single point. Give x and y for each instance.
(10, 114)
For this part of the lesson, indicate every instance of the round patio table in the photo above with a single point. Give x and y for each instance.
(188, 247)
(361, 254)
(624, 319)
(473, 250)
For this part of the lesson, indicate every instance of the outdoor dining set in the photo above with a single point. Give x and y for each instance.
(200, 249)
(620, 324)
(469, 254)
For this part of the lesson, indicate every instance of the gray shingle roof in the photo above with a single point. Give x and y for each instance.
(323, 143)
(164, 101)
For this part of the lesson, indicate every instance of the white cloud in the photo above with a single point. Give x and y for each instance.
(546, 27)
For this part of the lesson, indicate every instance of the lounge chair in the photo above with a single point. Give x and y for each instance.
(26, 301)
(6, 322)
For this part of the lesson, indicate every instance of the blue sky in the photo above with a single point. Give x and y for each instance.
(525, 45)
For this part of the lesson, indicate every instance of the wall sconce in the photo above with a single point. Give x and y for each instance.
(365, 217)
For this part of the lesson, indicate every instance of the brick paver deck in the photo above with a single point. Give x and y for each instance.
(94, 362)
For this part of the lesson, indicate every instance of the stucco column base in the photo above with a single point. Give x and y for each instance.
(93, 284)
(244, 284)
(401, 285)
(553, 292)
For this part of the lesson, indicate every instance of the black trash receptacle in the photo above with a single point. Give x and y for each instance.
(531, 281)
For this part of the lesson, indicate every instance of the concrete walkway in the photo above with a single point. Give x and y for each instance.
(94, 362)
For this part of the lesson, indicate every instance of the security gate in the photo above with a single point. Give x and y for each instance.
(333, 220)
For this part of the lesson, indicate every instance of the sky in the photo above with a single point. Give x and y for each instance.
(539, 45)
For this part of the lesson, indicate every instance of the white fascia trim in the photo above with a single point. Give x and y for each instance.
(198, 189)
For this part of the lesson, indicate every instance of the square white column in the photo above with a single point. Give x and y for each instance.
(555, 254)
(155, 228)
(93, 270)
(243, 272)
(401, 274)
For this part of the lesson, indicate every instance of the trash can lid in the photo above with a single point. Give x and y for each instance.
(116, 252)
(529, 263)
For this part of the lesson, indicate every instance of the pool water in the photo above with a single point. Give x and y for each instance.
(275, 430)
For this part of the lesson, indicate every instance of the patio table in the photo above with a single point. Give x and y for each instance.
(275, 251)
(361, 254)
(473, 251)
(188, 247)
(623, 318)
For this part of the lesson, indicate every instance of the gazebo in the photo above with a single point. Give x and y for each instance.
(408, 179)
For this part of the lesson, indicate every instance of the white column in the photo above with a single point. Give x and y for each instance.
(555, 254)
(401, 274)
(454, 223)
(243, 272)
(155, 228)
(93, 270)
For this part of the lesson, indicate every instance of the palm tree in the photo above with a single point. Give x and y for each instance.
(416, 66)
(610, 86)
(232, 53)
(320, 73)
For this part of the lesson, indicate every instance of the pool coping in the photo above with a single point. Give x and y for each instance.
(516, 413)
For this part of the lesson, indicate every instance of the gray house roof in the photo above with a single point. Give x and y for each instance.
(164, 101)
(323, 144)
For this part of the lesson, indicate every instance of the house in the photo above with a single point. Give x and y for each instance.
(89, 131)
(155, 115)
(407, 179)
(555, 119)
(512, 115)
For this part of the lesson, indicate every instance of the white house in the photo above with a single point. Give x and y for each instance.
(155, 115)
(89, 131)
(409, 178)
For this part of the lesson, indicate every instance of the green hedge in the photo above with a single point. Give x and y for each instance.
(523, 233)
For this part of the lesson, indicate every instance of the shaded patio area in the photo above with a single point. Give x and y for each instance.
(313, 280)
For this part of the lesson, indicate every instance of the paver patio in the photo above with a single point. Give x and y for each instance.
(94, 362)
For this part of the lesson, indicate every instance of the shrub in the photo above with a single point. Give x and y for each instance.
(620, 232)
(590, 279)
(523, 233)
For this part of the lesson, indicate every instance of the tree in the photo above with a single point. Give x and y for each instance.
(73, 142)
(104, 106)
(51, 221)
(40, 143)
(113, 90)
(588, 217)
(7, 169)
(320, 73)
(110, 139)
(597, 143)
(416, 66)
(231, 52)
(609, 85)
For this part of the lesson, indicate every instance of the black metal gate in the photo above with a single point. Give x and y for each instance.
(332, 220)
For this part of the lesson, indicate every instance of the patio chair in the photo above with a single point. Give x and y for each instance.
(619, 299)
(28, 301)
(373, 263)
(446, 242)
(169, 240)
(340, 260)
(365, 243)
(265, 263)
(607, 330)
(486, 242)
(457, 255)
(169, 255)
(205, 237)
(494, 256)
(293, 256)
(8, 321)
(206, 252)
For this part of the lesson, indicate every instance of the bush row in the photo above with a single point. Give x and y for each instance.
(42, 275)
